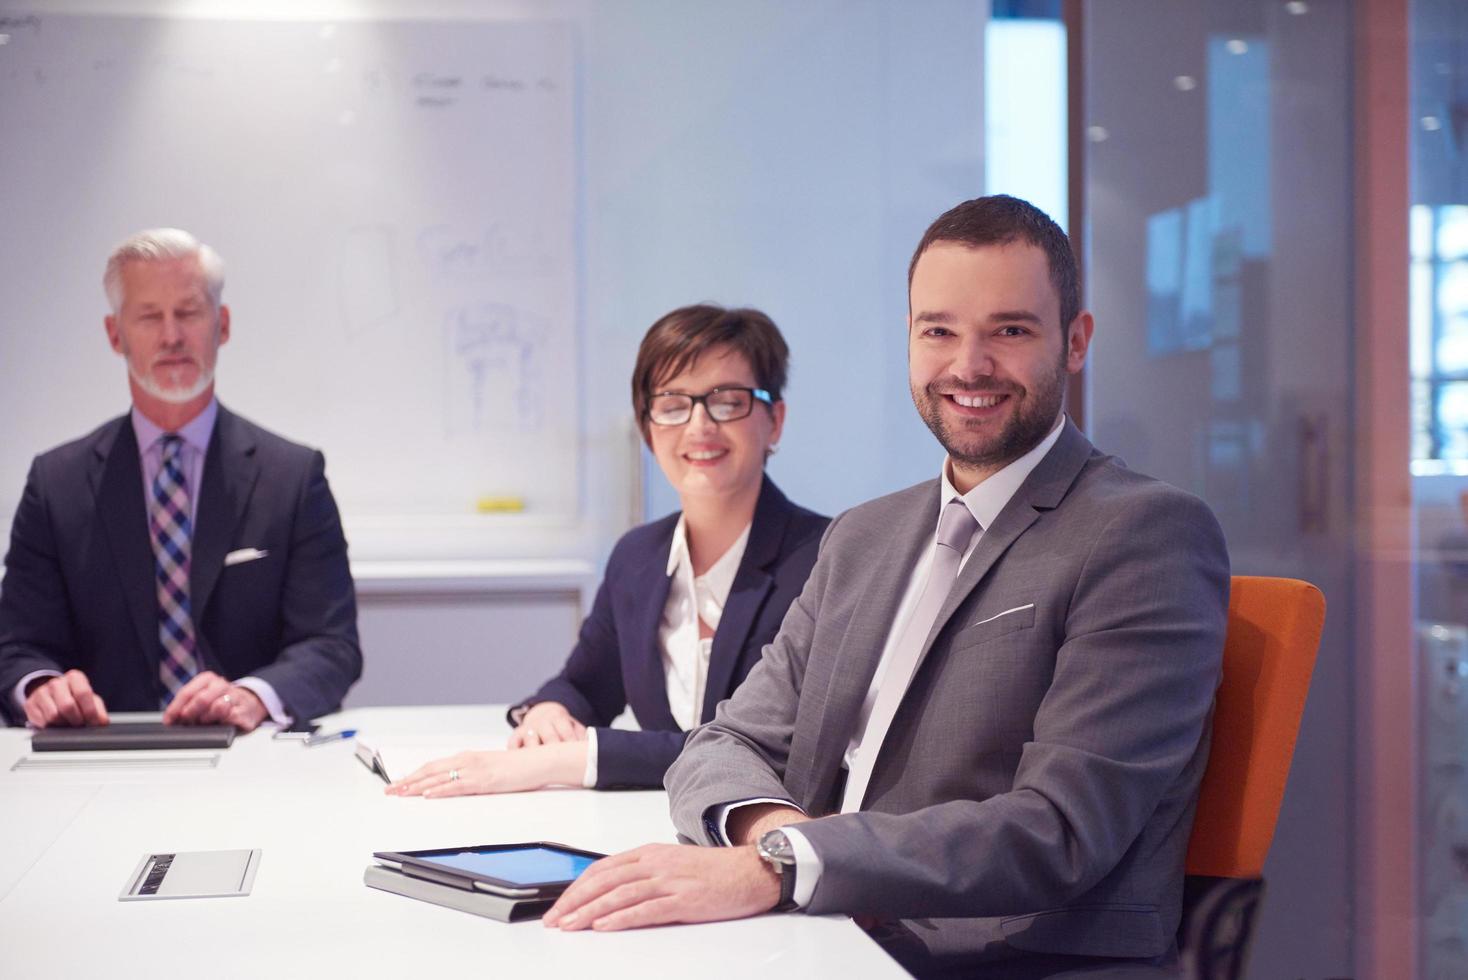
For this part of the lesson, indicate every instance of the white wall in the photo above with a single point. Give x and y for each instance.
(787, 157)
(784, 156)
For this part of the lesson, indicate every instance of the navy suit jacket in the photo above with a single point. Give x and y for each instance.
(79, 578)
(617, 661)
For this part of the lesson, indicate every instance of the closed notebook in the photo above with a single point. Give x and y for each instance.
(132, 735)
(476, 902)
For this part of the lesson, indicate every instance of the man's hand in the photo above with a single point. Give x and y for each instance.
(495, 772)
(661, 883)
(747, 824)
(208, 699)
(65, 700)
(544, 724)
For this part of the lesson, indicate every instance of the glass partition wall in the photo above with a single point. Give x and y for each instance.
(1438, 276)
(1219, 225)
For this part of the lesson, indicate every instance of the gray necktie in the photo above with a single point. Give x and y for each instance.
(956, 528)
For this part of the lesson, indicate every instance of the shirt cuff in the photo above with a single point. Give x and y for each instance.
(720, 820)
(17, 696)
(807, 865)
(588, 779)
(268, 697)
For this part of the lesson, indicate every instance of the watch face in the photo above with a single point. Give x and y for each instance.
(776, 847)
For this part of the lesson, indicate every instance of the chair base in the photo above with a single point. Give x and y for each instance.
(1217, 926)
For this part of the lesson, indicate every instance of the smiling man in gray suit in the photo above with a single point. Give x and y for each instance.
(982, 726)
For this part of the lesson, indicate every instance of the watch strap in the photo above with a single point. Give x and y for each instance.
(787, 889)
(775, 850)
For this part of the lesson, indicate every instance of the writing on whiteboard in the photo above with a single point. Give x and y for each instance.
(12, 24)
(498, 250)
(493, 355)
(436, 91)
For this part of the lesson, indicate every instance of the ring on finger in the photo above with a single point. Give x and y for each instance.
(227, 699)
(453, 775)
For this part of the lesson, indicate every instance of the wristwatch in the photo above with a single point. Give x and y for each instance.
(775, 848)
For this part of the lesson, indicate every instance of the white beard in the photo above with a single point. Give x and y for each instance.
(172, 395)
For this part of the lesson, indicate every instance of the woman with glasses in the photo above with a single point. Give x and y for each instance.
(689, 601)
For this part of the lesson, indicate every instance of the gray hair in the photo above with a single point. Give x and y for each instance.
(162, 245)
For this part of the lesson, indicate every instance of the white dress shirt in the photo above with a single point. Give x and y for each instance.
(196, 435)
(984, 501)
(685, 653)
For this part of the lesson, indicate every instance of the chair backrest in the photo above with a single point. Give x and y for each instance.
(1274, 629)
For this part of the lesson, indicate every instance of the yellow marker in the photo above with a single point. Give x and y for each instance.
(499, 505)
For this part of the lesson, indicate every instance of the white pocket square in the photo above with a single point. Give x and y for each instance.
(1028, 605)
(243, 555)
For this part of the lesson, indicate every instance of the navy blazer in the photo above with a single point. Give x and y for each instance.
(617, 660)
(79, 582)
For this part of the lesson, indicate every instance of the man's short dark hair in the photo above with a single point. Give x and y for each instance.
(1003, 220)
(681, 337)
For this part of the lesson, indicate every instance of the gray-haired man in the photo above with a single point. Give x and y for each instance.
(178, 557)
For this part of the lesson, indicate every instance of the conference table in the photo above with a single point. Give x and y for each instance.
(71, 837)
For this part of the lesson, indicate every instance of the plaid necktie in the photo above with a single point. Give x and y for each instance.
(168, 517)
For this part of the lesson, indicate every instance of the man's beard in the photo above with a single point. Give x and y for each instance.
(174, 395)
(979, 447)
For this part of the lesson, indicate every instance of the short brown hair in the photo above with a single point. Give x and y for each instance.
(681, 337)
(1002, 220)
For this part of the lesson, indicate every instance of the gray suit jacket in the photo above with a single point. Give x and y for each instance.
(1036, 789)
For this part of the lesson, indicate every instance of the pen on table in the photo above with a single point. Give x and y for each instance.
(322, 739)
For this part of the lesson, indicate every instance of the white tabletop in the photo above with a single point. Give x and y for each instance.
(70, 839)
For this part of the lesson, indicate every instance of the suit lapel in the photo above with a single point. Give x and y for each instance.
(813, 775)
(649, 587)
(117, 484)
(230, 470)
(857, 661)
(1042, 490)
(752, 584)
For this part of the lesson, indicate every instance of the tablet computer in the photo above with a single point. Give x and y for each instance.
(534, 869)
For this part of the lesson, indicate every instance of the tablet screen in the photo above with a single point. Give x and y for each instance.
(519, 866)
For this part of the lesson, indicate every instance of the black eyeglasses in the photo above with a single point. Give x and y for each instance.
(722, 404)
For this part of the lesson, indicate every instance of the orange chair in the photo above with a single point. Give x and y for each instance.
(1274, 629)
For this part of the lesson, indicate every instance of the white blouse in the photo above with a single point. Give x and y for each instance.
(690, 599)
(685, 654)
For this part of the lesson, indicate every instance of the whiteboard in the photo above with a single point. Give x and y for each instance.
(396, 206)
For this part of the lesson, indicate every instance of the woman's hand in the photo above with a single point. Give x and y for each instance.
(473, 773)
(546, 724)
